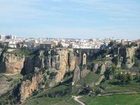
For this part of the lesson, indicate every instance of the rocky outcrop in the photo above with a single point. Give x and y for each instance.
(76, 76)
(28, 66)
(130, 53)
(100, 80)
(32, 62)
(103, 69)
(5, 84)
(95, 67)
(63, 67)
(71, 61)
(57, 62)
(67, 63)
(49, 67)
(126, 56)
(43, 68)
(11, 63)
(28, 86)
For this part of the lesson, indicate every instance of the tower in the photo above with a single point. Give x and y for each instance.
(84, 61)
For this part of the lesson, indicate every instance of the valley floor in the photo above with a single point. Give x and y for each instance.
(68, 100)
(131, 99)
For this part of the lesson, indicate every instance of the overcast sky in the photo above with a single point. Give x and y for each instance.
(71, 18)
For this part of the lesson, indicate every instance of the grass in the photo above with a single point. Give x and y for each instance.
(59, 95)
(22, 52)
(91, 78)
(113, 100)
(67, 100)
(131, 87)
(116, 99)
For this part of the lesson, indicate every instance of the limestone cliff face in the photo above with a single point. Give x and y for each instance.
(72, 61)
(63, 68)
(103, 69)
(37, 61)
(101, 66)
(30, 85)
(12, 63)
(59, 61)
(130, 53)
(127, 56)
(76, 76)
(28, 66)
(66, 61)
(56, 61)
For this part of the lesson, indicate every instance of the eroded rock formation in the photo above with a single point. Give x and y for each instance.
(57, 62)
(126, 56)
(28, 86)
(11, 63)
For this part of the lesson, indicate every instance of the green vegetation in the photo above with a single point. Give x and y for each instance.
(90, 78)
(67, 100)
(86, 84)
(10, 81)
(59, 95)
(113, 100)
(123, 78)
(110, 87)
(22, 52)
(113, 84)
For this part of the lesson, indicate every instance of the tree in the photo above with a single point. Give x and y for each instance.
(109, 71)
(97, 91)
(123, 78)
(137, 78)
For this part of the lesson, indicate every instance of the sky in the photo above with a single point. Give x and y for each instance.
(71, 18)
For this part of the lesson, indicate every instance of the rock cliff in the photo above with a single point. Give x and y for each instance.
(48, 68)
(28, 86)
(126, 56)
(55, 63)
(67, 63)
(11, 63)
(130, 53)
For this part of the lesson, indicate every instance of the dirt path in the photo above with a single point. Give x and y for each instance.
(76, 98)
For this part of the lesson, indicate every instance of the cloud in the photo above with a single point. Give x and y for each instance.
(68, 17)
(40, 8)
